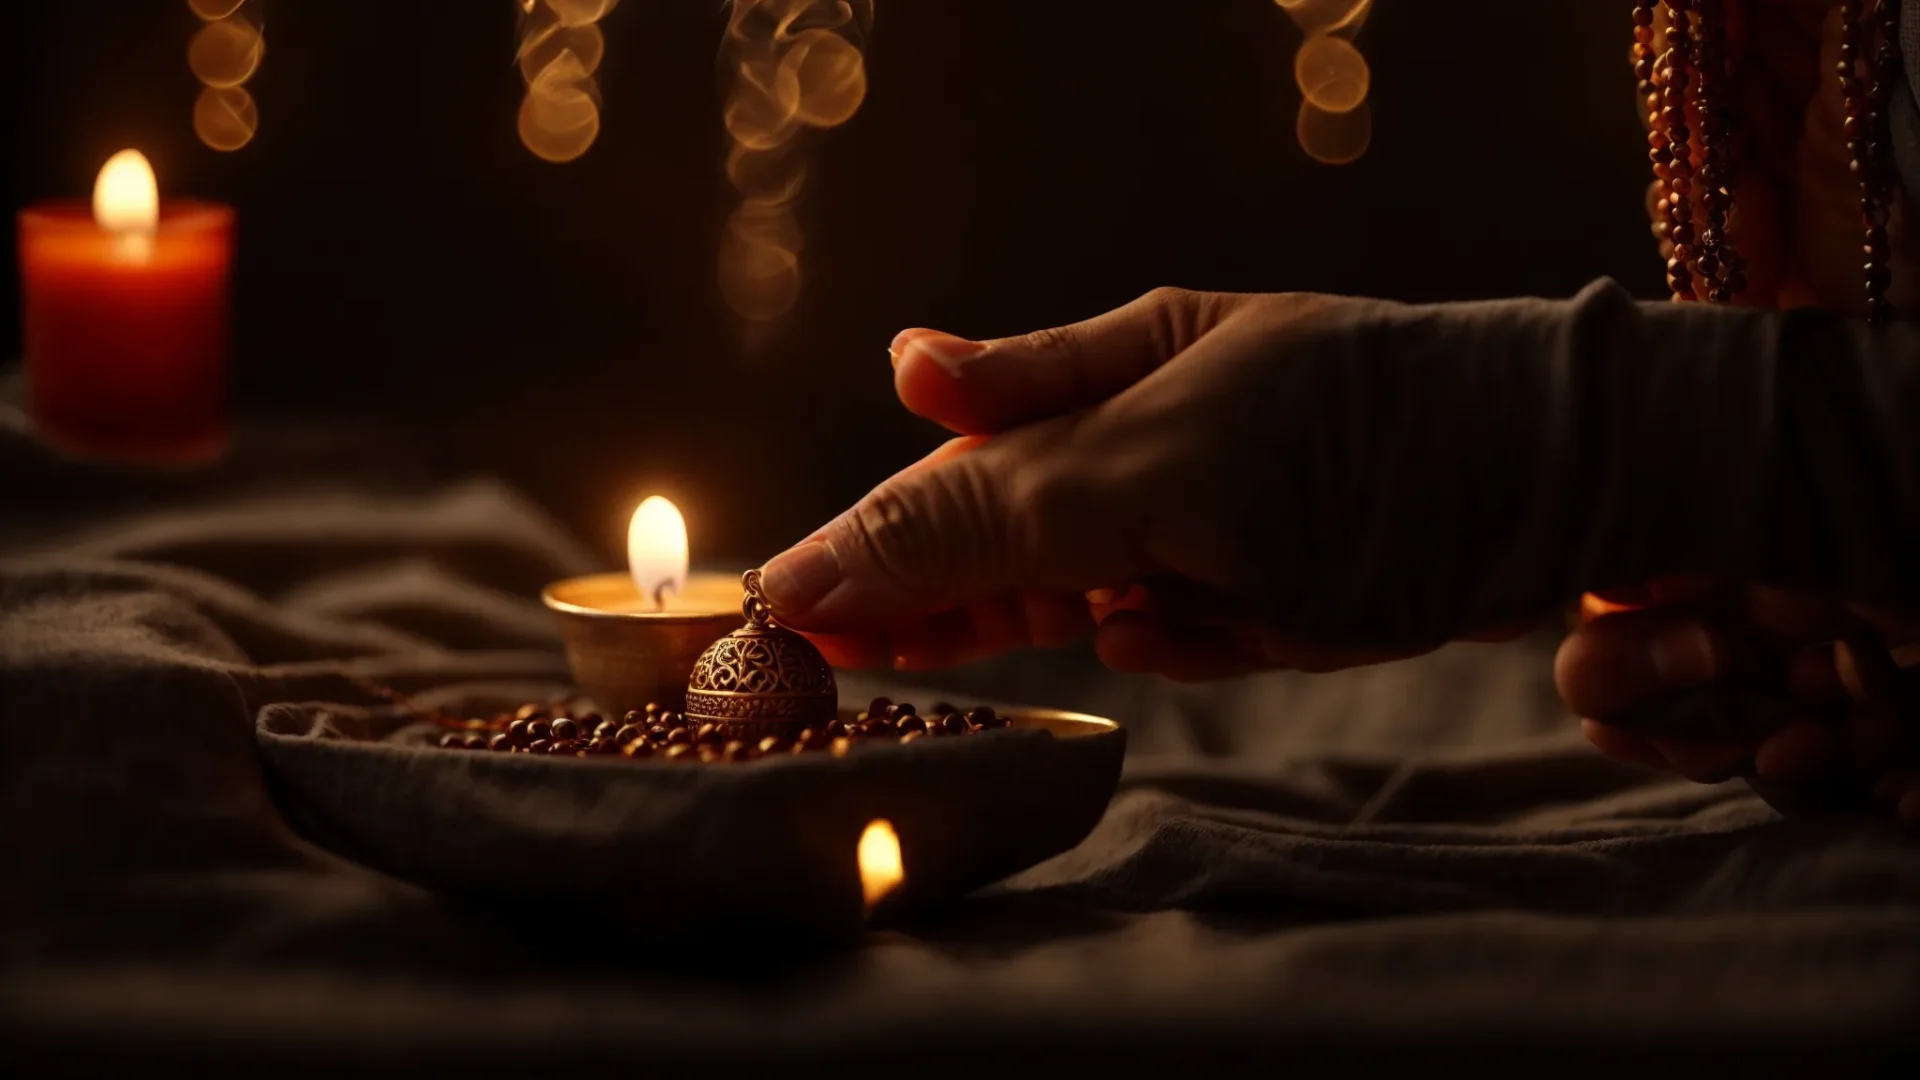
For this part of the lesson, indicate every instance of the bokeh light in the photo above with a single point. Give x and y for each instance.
(1334, 138)
(225, 117)
(542, 47)
(1332, 73)
(580, 12)
(214, 9)
(829, 75)
(1334, 79)
(224, 55)
(226, 52)
(559, 119)
(792, 67)
(561, 47)
(1328, 16)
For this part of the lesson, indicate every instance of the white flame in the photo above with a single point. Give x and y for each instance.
(880, 868)
(657, 550)
(126, 197)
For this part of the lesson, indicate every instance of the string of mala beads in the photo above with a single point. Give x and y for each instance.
(1868, 43)
(1683, 78)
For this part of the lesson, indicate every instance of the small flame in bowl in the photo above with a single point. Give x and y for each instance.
(880, 868)
(657, 550)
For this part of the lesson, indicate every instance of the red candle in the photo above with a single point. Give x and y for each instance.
(125, 310)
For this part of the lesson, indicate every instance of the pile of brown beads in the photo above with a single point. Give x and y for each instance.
(560, 730)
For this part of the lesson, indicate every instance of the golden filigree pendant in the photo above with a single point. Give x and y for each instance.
(762, 679)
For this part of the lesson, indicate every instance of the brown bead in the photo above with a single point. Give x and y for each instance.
(677, 752)
(733, 749)
(475, 742)
(772, 744)
(709, 754)
(911, 736)
(531, 712)
(628, 734)
(836, 729)
(589, 720)
(878, 706)
(840, 747)
(500, 743)
(895, 712)
(954, 724)
(657, 733)
(566, 729)
(539, 729)
(517, 731)
(539, 746)
(910, 724)
(653, 708)
(877, 726)
(451, 741)
(708, 735)
(635, 717)
(807, 737)
(679, 737)
(638, 749)
(984, 717)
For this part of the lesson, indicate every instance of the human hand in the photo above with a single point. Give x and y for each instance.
(1812, 714)
(1131, 470)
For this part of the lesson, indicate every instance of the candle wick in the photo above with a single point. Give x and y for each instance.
(660, 594)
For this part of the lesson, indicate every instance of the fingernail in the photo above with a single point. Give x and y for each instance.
(800, 577)
(1683, 655)
(951, 353)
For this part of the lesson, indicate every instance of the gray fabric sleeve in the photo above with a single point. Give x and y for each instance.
(1558, 446)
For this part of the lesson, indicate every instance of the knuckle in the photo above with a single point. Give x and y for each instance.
(924, 532)
(1053, 341)
(1168, 296)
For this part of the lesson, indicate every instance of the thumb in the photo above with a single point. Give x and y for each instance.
(981, 387)
(964, 525)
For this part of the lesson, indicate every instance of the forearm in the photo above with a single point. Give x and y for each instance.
(1500, 458)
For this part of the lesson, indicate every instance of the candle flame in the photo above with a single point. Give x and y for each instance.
(126, 197)
(880, 867)
(657, 550)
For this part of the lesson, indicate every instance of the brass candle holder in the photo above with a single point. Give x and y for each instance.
(624, 651)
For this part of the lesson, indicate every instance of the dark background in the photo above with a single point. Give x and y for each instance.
(1018, 163)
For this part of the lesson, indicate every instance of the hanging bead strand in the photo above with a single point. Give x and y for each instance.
(1719, 266)
(1868, 40)
(1676, 80)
